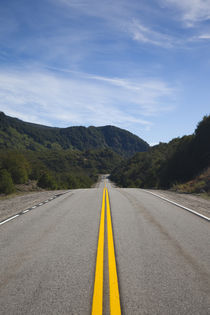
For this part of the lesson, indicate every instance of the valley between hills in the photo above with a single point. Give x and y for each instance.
(36, 158)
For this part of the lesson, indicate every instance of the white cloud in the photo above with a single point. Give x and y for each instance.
(82, 99)
(204, 36)
(144, 34)
(121, 16)
(192, 11)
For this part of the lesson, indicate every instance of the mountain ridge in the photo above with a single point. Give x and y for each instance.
(18, 134)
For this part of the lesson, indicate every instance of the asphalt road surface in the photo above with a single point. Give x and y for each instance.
(162, 254)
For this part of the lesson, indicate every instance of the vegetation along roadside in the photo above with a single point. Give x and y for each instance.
(47, 160)
(183, 164)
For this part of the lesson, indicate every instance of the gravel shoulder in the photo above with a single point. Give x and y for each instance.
(193, 202)
(15, 204)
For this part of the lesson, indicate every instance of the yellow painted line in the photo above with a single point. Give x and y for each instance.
(114, 296)
(97, 304)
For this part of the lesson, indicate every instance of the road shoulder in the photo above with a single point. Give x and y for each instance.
(193, 202)
(13, 205)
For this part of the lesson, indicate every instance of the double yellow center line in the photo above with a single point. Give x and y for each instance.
(114, 297)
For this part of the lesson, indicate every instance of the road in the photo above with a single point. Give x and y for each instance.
(48, 256)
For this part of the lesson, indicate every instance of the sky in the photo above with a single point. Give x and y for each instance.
(140, 65)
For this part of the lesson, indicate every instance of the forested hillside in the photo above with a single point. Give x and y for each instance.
(60, 158)
(54, 169)
(169, 164)
(16, 134)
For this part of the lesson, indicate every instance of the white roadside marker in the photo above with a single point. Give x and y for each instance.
(15, 216)
(25, 211)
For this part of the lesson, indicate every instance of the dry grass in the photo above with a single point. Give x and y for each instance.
(199, 185)
(22, 189)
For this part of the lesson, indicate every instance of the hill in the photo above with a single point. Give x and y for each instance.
(170, 164)
(54, 169)
(60, 158)
(20, 135)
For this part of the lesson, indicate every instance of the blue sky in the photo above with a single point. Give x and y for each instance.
(140, 65)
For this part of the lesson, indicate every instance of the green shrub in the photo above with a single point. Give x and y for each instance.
(16, 164)
(47, 181)
(19, 174)
(6, 183)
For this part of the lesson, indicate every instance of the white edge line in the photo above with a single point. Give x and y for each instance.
(15, 216)
(178, 205)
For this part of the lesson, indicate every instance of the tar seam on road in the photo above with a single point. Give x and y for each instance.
(178, 205)
(97, 304)
(29, 209)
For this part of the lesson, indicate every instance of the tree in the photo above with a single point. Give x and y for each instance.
(72, 182)
(47, 181)
(16, 164)
(19, 174)
(6, 183)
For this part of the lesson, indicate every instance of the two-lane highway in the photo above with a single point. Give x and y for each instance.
(48, 256)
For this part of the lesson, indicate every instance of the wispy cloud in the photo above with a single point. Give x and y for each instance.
(146, 35)
(191, 11)
(122, 17)
(106, 10)
(204, 36)
(83, 99)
